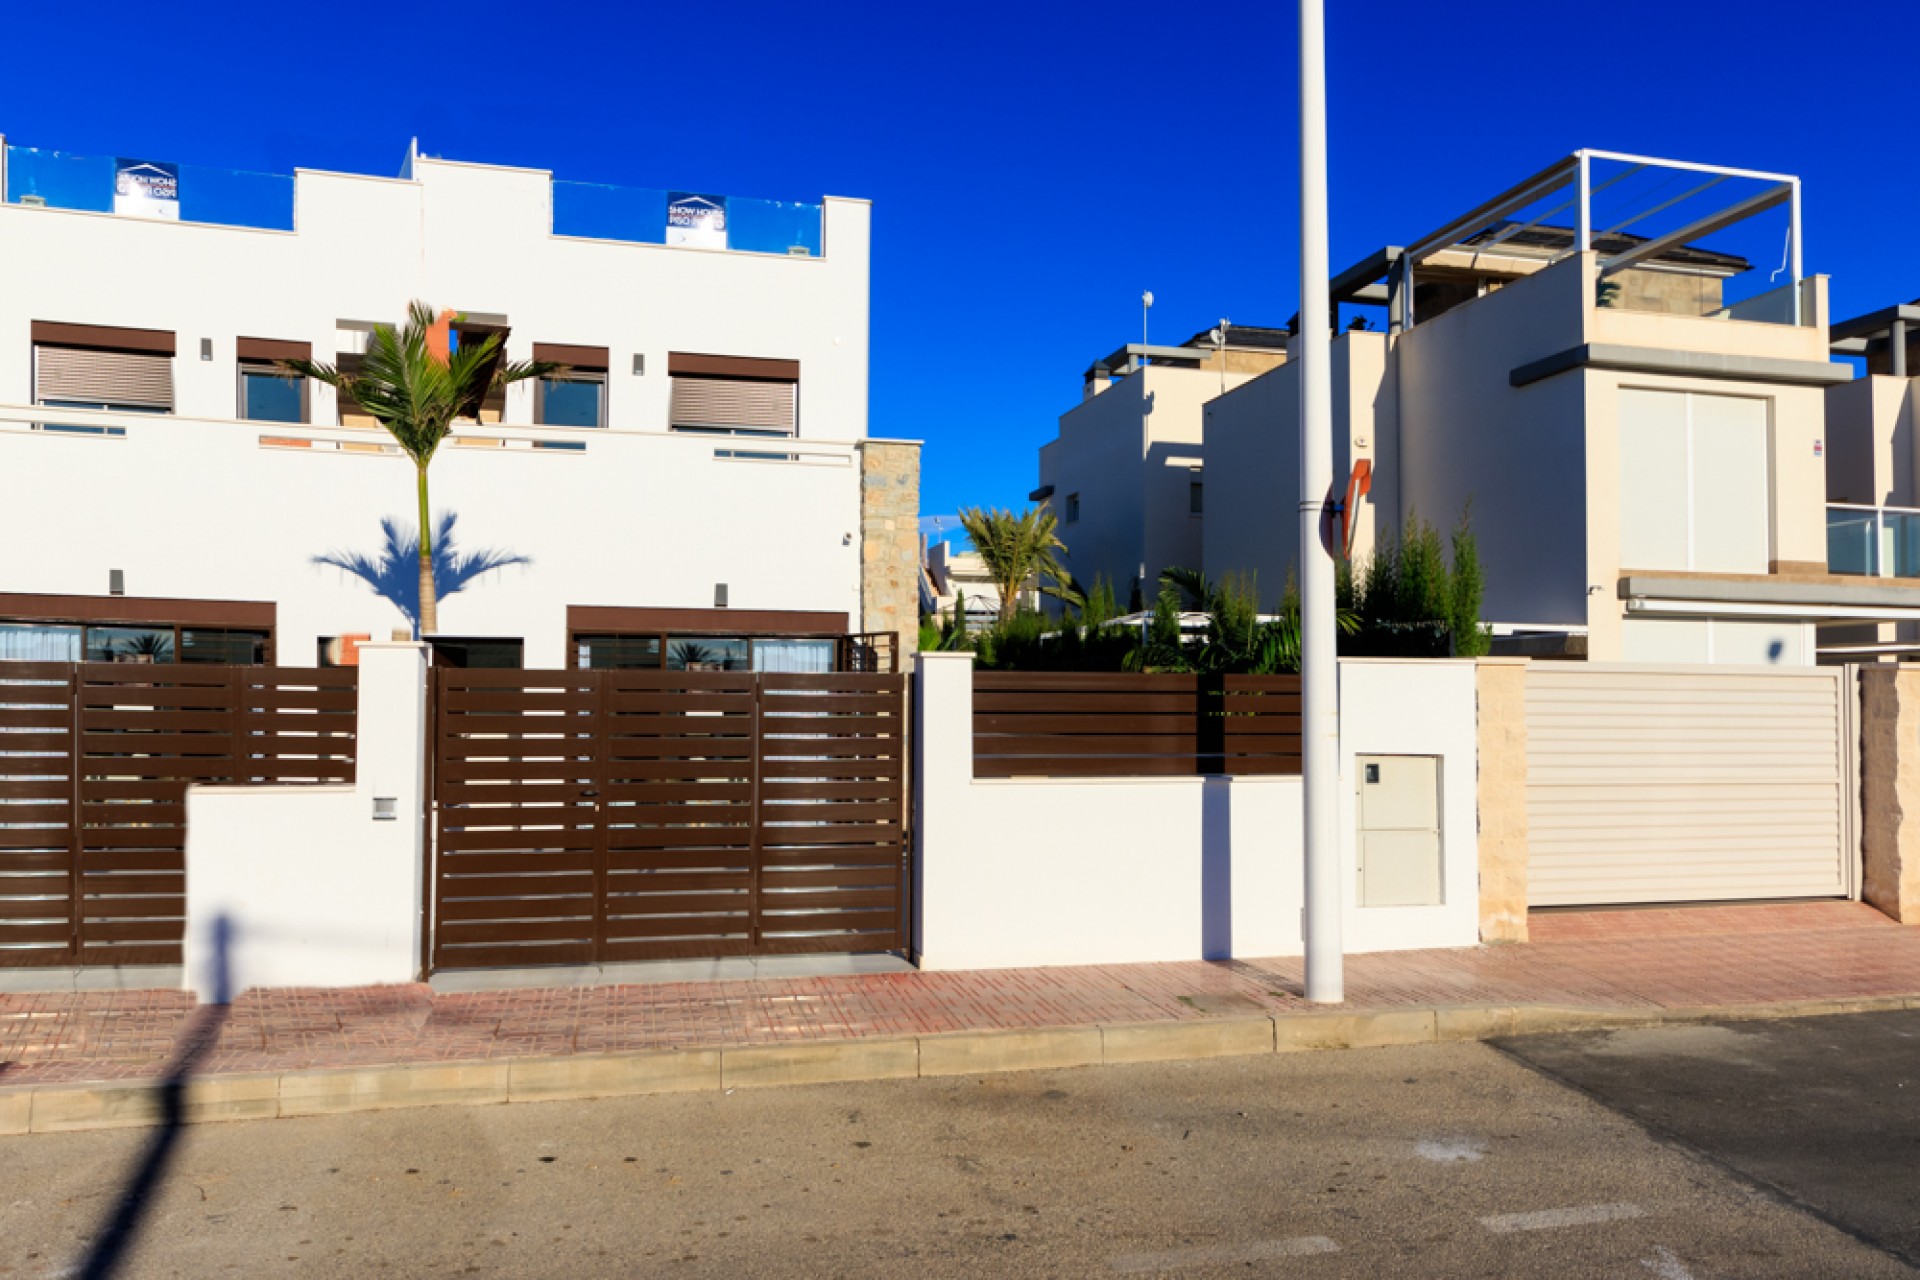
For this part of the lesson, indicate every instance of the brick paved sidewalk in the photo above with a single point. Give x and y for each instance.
(1612, 960)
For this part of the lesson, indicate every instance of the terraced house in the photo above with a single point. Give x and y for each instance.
(695, 488)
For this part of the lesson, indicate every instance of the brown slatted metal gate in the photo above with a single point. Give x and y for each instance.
(95, 762)
(587, 817)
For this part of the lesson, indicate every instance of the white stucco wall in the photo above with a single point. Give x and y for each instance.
(300, 886)
(1253, 462)
(1518, 454)
(1871, 459)
(192, 504)
(1113, 450)
(202, 510)
(1013, 872)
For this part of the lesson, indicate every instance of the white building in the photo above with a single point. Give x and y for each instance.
(1633, 391)
(1125, 473)
(698, 481)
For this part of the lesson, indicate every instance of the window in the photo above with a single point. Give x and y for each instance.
(708, 653)
(268, 395)
(1073, 508)
(575, 395)
(617, 653)
(81, 367)
(130, 644)
(507, 653)
(572, 400)
(734, 395)
(233, 648)
(40, 642)
(705, 653)
(473, 331)
(77, 642)
(1694, 483)
(1193, 497)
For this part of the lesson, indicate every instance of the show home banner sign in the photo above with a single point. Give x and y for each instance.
(146, 189)
(696, 220)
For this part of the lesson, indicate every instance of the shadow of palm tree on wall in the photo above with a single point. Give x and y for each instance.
(393, 572)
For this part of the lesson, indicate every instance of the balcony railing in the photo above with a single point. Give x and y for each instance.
(1879, 542)
(638, 215)
(238, 198)
(226, 197)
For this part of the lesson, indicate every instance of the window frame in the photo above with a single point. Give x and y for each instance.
(597, 377)
(1072, 509)
(176, 631)
(665, 640)
(245, 365)
(740, 369)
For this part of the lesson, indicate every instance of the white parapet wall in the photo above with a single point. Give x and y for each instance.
(303, 886)
(1059, 871)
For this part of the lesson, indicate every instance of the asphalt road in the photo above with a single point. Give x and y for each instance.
(1825, 1111)
(1443, 1160)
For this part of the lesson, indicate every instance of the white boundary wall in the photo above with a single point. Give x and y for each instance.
(1061, 871)
(312, 890)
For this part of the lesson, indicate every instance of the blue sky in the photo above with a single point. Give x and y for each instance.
(1032, 167)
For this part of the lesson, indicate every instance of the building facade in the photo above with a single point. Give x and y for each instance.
(1125, 475)
(1645, 428)
(695, 487)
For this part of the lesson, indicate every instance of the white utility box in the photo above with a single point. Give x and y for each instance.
(1398, 811)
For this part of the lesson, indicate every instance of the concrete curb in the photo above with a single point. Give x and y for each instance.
(69, 1108)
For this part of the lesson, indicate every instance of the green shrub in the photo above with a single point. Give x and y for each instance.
(1410, 602)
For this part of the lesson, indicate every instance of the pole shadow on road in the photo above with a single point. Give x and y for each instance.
(122, 1227)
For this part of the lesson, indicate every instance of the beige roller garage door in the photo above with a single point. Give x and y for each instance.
(1687, 784)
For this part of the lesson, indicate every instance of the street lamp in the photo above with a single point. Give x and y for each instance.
(1320, 707)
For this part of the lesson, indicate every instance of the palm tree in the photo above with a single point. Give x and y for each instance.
(1016, 550)
(415, 385)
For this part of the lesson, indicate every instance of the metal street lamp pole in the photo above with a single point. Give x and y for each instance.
(1320, 717)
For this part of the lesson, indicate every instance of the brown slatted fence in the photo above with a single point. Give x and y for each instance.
(1098, 724)
(37, 819)
(606, 816)
(95, 762)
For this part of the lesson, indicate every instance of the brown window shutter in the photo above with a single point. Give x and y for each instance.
(103, 337)
(733, 402)
(681, 363)
(585, 359)
(103, 377)
(272, 349)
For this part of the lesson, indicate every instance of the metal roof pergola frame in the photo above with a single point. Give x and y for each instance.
(1576, 171)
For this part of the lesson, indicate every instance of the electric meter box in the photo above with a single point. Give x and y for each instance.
(1398, 812)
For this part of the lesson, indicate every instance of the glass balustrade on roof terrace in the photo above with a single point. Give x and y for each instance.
(1876, 542)
(166, 191)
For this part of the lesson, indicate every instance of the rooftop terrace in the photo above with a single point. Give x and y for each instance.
(164, 190)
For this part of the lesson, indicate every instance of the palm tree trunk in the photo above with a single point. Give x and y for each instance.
(429, 601)
(1009, 600)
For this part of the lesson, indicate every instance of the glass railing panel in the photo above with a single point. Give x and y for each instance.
(1851, 538)
(228, 197)
(60, 179)
(236, 197)
(1900, 543)
(773, 226)
(638, 215)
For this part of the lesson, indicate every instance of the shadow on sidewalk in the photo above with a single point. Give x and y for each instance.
(122, 1228)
